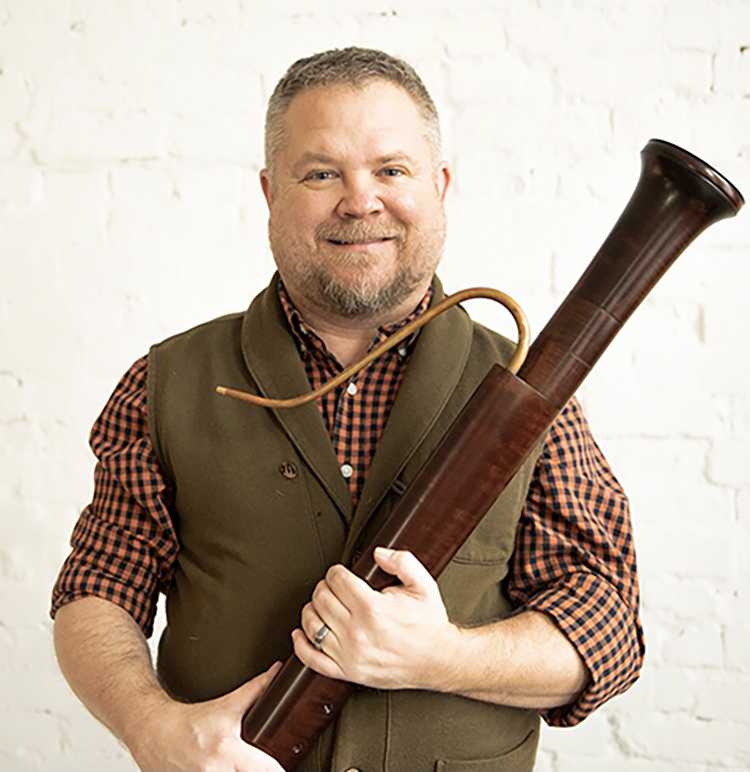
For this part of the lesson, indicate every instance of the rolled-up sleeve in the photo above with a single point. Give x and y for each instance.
(575, 561)
(124, 544)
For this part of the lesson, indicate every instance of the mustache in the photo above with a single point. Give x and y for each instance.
(359, 232)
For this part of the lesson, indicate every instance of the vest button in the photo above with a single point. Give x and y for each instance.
(289, 470)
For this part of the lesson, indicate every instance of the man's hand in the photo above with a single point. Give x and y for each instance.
(104, 656)
(203, 735)
(384, 639)
(401, 638)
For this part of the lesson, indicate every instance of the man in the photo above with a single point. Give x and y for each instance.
(235, 512)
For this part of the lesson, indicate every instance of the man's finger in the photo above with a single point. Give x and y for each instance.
(318, 660)
(404, 565)
(312, 622)
(246, 695)
(340, 594)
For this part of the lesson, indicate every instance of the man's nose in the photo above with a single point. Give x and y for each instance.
(360, 197)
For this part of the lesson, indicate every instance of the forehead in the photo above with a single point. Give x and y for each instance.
(340, 117)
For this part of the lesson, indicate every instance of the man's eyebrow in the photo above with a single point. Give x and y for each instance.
(310, 157)
(394, 158)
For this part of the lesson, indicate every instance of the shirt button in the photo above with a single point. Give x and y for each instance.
(402, 351)
(347, 470)
(352, 388)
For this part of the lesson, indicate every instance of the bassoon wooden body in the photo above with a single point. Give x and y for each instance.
(676, 198)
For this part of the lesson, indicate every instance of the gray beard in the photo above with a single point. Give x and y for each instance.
(363, 301)
(361, 298)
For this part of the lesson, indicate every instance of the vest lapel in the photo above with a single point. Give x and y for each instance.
(435, 368)
(274, 363)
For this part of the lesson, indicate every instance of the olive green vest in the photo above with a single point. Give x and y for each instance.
(262, 511)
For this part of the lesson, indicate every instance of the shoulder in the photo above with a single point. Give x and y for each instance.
(192, 363)
(485, 345)
(229, 325)
(490, 345)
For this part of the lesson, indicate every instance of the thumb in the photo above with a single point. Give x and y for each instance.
(414, 577)
(245, 696)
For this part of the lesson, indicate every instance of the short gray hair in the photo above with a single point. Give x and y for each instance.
(355, 67)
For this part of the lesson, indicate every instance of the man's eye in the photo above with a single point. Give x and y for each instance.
(320, 176)
(393, 172)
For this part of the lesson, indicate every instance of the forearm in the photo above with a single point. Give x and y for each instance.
(106, 660)
(401, 638)
(524, 661)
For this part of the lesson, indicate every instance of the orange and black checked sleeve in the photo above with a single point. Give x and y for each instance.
(574, 557)
(575, 561)
(124, 544)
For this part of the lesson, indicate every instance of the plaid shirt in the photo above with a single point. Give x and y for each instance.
(355, 413)
(574, 558)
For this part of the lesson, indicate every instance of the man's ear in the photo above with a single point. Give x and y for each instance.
(266, 187)
(443, 179)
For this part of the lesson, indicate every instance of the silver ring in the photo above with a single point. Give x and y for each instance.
(318, 642)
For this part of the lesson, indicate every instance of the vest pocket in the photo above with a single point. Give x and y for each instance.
(521, 758)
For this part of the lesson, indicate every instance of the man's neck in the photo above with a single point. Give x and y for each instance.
(348, 339)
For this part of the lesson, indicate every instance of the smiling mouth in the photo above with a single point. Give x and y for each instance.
(355, 242)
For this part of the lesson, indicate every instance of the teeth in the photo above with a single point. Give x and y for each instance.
(336, 241)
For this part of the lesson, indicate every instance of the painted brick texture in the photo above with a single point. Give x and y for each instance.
(130, 144)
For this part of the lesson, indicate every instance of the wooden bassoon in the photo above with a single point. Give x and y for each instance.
(677, 197)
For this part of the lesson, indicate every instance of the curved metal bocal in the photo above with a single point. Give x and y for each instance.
(522, 347)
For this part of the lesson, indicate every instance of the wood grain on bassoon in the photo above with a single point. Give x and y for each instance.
(676, 198)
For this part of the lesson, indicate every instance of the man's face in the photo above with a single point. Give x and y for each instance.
(357, 223)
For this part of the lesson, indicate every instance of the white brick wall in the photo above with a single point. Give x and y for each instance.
(130, 141)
